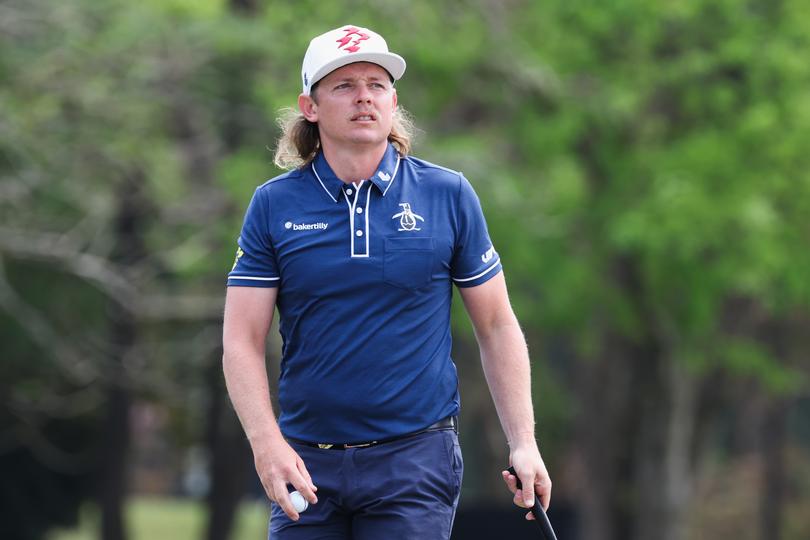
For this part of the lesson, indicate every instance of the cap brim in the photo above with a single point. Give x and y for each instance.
(392, 63)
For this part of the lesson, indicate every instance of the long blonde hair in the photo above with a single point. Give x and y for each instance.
(300, 140)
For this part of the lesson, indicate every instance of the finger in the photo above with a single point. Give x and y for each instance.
(510, 480)
(282, 498)
(530, 516)
(268, 489)
(302, 468)
(528, 490)
(304, 487)
(543, 490)
(518, 499)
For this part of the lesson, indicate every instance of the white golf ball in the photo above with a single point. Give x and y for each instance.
(299, 502)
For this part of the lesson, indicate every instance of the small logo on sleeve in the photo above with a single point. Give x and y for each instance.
(487, 256)
(239, 254)
(407, 219)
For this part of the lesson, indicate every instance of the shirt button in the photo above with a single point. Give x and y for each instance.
(359, 210)
(359, 233)
(349, 191)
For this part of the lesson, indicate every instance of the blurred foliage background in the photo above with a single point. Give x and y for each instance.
(645, 170)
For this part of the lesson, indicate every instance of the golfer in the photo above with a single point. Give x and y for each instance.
(359, 246)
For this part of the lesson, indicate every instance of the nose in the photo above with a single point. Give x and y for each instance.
(363, 94)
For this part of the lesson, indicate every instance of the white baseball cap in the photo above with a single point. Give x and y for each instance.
(346, 45)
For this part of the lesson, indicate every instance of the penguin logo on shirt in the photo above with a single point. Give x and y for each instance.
(407, 219)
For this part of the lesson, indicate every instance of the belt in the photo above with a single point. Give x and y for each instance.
(451, 422)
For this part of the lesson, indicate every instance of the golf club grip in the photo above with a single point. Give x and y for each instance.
(537, 510)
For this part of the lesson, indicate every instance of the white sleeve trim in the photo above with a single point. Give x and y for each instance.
(488, 270)
(255, 278)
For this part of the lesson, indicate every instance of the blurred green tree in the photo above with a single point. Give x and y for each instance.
(645, 169)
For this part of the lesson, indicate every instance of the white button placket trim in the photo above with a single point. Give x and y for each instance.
(368, 202)
(352, 205)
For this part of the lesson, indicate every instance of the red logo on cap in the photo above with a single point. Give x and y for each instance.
(351, 31)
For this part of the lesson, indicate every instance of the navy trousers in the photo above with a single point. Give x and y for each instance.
(408, 489)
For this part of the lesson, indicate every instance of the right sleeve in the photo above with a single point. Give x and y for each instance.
(255, 264)
(475, 260)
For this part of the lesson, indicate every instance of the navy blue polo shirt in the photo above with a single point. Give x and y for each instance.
(364, 274)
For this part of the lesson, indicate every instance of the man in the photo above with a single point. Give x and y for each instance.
(358, 247)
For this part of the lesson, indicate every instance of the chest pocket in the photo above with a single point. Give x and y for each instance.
(408, 262)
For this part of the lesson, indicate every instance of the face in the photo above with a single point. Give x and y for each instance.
(353, 106)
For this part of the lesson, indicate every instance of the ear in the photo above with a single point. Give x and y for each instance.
(394, 98)
(308, 107)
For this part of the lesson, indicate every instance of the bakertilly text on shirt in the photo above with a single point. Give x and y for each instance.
(321, 226)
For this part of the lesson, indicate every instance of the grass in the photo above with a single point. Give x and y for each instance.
(159, 518)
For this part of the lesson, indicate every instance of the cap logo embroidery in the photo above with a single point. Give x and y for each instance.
(344, 41)
(407, 219)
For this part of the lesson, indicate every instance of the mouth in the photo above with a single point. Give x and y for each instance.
(364, 117)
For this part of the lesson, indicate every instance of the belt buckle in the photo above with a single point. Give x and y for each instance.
(360, 445)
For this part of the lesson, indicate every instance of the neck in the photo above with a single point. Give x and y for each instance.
(356, 163)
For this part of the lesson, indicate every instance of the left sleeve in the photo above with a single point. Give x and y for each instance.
(475, 260)
(255, 264)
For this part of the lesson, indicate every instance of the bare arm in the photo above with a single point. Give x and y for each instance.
(248, 314)
(505, 360)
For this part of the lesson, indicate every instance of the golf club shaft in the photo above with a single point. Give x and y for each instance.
(537, 510)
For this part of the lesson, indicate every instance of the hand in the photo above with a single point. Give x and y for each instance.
(533, 475)
(279, 465)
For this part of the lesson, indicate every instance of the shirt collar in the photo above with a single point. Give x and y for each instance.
(383, 177)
